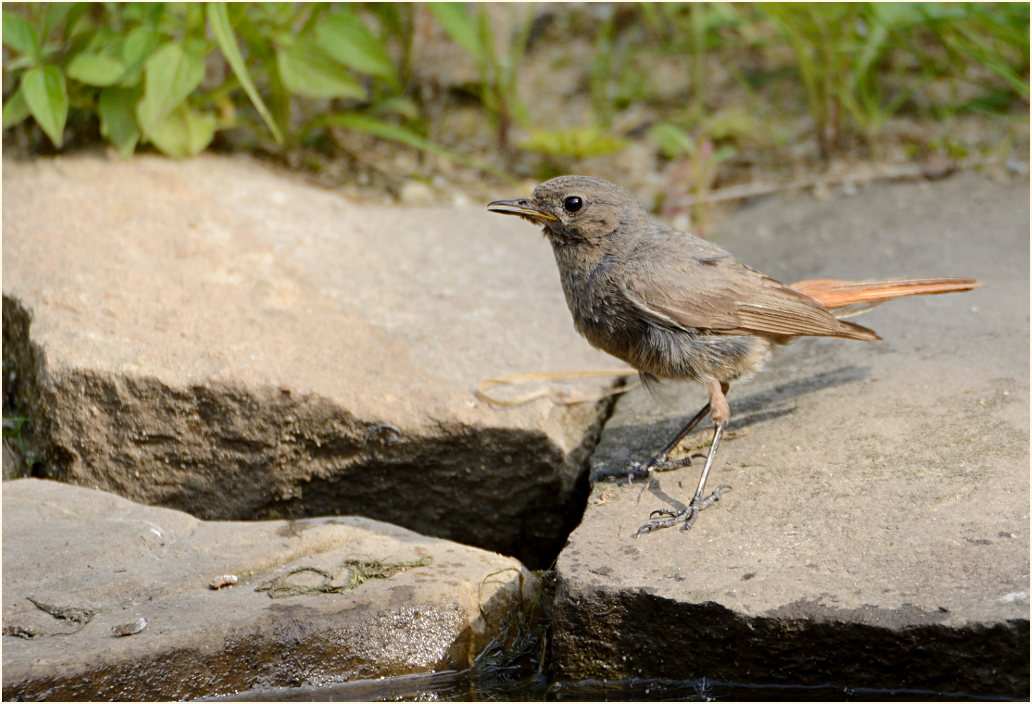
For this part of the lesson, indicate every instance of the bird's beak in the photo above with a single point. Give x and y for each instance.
(522, 208)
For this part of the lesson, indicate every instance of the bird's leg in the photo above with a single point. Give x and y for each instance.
(659, 461)
(721, 413)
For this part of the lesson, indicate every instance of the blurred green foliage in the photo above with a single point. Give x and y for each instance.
(175, 75)
(496, 87)
(842, 52)
(172, 74)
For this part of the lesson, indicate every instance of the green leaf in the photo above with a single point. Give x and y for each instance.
(47, 98)
(118, 117)
(20, 35)
(459, 25)
(15, 109)
(390, 16)
(185, 132)
(724, 153)
(578, 142)
(672, 141)
(399, 105)
(344, 36)
(150, 13)
(218, 17)
(139, 44)
(171, 74)
(55, 14)
(71, 19)
(277, 14)
(395, 133)
(308, 70)
(401, 135)
(95, 69)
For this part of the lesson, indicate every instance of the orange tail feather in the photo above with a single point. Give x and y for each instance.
(834, 293)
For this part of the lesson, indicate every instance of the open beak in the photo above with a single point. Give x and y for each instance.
(522, 208)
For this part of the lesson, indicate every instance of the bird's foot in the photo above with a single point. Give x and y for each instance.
(636, 469)
(664, 518)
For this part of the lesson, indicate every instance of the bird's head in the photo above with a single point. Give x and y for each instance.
(575, 209)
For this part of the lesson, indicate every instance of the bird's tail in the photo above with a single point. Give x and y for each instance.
(846, 298)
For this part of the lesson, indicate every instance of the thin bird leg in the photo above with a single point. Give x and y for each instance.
(687, 515)
(659, 461)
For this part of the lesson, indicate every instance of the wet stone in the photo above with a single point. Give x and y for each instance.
(106, 599)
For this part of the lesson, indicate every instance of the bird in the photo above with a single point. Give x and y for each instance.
(677, 307)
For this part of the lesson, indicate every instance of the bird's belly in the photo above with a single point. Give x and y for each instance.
(614, 324)
(675, 353)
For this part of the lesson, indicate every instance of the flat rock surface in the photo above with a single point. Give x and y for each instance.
(354, 599)
(213, 336)
(877, 529)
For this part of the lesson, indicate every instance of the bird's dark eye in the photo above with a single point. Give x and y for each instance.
(572, 204)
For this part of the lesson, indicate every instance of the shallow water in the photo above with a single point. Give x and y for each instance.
(518, 667)
(469, 686)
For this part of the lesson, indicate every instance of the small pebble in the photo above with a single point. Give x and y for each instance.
(1018, 167)
(129, 629)
(416, 193)
(226, 580)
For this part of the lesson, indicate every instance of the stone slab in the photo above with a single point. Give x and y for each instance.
(877, 529)
(80, 549)
(214, 336)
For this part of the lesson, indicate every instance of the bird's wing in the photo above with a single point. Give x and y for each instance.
(714, 291)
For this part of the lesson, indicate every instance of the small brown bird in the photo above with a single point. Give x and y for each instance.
(675, 306)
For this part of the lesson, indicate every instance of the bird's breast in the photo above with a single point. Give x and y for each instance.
(612, 322)
(601, 311)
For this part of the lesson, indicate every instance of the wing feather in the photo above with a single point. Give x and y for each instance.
(714, 291)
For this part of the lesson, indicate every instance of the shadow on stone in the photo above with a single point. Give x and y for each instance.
(754, 408)
(222, 452)
(622, 636)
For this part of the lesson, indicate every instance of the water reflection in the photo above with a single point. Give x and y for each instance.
(476, 686)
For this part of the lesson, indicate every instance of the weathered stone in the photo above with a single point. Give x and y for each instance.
(877, 529)
(358, 599)
(211, 336)
(13, 467)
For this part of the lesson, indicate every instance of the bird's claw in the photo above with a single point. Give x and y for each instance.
(636, 469)
(656, 464)
(686, 515)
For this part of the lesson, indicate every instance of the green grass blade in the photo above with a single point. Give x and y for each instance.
(980, 51)
(385, 130)
(459, 25)
(401, 135)
(218, 18)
